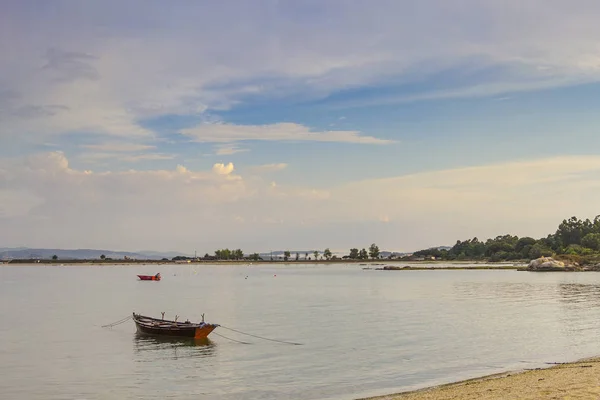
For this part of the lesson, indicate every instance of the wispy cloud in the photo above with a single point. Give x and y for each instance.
(121, 157)
(228, 133)
(146, 157)
(75, 79)
(118, 147)
(70, 65)
(268, 167)
(228, 149)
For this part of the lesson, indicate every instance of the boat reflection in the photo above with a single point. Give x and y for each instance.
(165, 346)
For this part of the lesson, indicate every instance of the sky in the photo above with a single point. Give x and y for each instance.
(272, 125)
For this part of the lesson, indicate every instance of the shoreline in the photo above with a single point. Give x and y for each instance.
(370, 264)
(570, 380)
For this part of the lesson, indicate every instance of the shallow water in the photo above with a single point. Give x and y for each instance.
(363, 332)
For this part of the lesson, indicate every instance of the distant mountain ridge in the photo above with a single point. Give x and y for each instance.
(83, 254)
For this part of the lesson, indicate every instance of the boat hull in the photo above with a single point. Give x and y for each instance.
(149, 277)
(156, 327)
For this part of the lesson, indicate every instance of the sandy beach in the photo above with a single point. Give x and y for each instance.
(573, 381)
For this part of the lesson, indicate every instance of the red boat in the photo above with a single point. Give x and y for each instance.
(150, 277)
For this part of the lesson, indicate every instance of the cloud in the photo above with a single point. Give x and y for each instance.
(118, 147)
(222, 169)
(268, 167)
(77, 79)
(95, 157)
(45, 202)
(70, 65)
(524, 197)
(146, 157)
(227, 150)
(227, 133)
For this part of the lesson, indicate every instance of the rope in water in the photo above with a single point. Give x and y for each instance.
(228, 338)
(261, 337)
(122, 321)
(119, 322)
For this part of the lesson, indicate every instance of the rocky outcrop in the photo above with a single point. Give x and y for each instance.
(544, 264)
(595, 267)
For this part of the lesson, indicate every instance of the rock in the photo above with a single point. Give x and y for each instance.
(595, 267)
(549, 264)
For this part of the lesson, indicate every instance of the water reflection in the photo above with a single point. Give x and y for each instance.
(504, 291)
(156, 347)
(579, 293)
(567, 293)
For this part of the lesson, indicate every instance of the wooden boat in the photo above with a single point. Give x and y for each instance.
(150, 277)
(162, 327)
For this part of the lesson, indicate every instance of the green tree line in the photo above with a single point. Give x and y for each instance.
(573, 237)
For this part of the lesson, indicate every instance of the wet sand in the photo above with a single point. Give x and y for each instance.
(574, 381)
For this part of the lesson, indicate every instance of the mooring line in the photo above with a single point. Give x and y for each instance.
(119, 322)
(228, 338)
(261, 337)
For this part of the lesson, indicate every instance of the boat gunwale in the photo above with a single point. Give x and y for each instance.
(164, 324)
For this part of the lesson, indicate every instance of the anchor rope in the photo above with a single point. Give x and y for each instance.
(122, 321)
(119, 322)
(261, 337)
(228, 338)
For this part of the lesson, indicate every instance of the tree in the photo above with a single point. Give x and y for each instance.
(353, 254)
(102, 257)
(306, 256)
(55, 257)
(571, 231)
(286, 255)
(297, 256)
(255, 257)
(316, 253)
(327, 254)
(524, 241)
(591, 241)
(374, 251)
(539, 250)
(238, 254)
(363, 255)
(224, 254)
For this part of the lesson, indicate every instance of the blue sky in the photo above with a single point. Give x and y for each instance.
(295, 124)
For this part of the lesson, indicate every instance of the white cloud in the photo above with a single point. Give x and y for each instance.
(118, 147)
(17, 203)
(127, 158)
(43, 194)
(146, 157)
(227, 150)
(227, 133)
(525, 197)
(222, 169)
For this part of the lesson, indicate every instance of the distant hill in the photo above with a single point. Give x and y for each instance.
(76, 254)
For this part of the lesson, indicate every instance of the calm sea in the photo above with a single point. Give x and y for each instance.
(363, 332)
